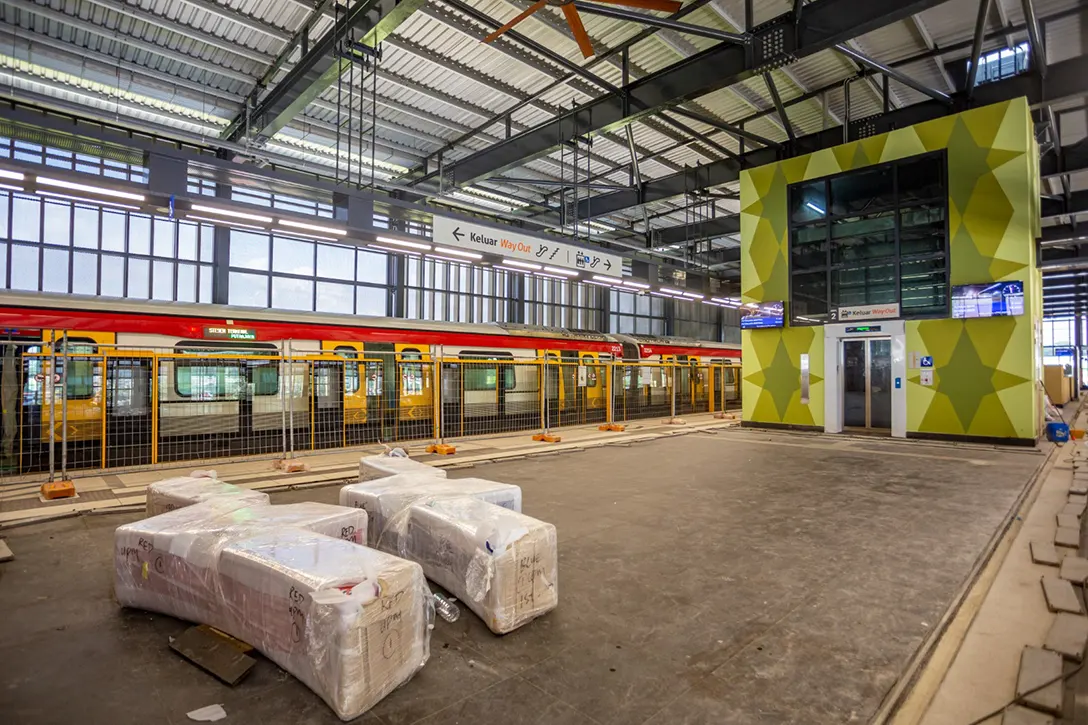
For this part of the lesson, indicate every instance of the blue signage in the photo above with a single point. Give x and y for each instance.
(927, 361)
(1065, 352)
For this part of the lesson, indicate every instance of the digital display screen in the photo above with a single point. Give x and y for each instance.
(996, 299)
(229, 333)
(765, 314)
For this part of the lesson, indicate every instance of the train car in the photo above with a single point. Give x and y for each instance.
(234, 381)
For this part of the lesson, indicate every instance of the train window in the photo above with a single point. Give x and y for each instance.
(479, 377)
(374, 376)
(351, 369)
(83, 374)
(411, 373)
(224, 378)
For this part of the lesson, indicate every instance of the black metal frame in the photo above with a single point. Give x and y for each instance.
(829, 268)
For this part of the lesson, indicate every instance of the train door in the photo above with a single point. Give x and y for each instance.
(339, 399)
(591, 387)
(415, 392)
(381, 393)
(11, 400)
(128, 420)
(42, 393)
(683, 374)
(553, 393)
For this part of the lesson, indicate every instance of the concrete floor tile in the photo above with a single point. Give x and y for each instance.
(492, 705)
(1044, 552)
(1068, 537)
(1068, 636)
(1037, 667)
(1060, 595)
(1074, 569)
(1068, 521)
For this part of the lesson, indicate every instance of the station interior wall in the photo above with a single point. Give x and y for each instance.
(985, 370)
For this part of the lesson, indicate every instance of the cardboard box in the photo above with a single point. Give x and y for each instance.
(167, 563)
(372, 468)
(175, 493)
(502, 564)
(385, 498)
(350, 622)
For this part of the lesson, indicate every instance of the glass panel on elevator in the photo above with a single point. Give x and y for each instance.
(854, 373)
(880, 383)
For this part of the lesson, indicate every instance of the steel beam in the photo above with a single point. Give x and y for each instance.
(778, 99)
(367, 21)
(615, 13)
(825, 24)
(735, 131)
(1066, 80)
(893, 73)
(1038, 52)
(976, 46)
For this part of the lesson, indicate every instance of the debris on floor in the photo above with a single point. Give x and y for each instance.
(208, 713)
(215, 652)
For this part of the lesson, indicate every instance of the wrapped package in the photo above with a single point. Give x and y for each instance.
(350, 622)
(167, 563)
(175, 493)
(372, 468)
(384, 498)
(501, 563)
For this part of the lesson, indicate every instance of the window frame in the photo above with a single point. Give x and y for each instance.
(223, 347)
(897, 207)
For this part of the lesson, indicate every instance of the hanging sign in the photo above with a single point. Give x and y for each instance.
(865, 312)
(516, 244)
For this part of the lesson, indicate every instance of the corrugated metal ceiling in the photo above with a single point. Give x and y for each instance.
(189, 64)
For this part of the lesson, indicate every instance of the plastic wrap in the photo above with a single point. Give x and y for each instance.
(384, 498)
(372, 468)
(167, 563)
(350, 622)
(500, 563)
(176, 493)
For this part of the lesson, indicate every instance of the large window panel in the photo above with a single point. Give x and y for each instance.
(292, 256)
(292, 294)
(338, 298)
(186, 283)
(58, 223)
(187, 241)
(165, 233)
(113, 276)
(371, 301)
(881, 239)
(335, 262)
(249, 250)
(139, 234)
(372, 267)
(26, 219)
(85, 223)
(139, 279)
(114, 225)
(24, 267)
(248, 290)
(84, 273)
(162, 281)
(55, 271)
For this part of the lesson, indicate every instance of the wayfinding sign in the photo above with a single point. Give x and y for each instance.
(516, 244)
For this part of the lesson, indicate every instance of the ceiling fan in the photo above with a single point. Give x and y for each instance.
(574, 20)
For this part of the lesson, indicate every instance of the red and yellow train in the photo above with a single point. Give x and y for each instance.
(149, 381)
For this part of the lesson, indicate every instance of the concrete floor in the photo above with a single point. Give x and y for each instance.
(744, 577)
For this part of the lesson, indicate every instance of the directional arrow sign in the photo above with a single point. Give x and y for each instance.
(515, 244)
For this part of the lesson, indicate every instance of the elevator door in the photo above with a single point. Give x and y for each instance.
(867, 383)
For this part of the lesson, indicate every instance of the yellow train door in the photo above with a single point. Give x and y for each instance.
(339, 391)
(592, 387)
(415, 391)
(84, 394)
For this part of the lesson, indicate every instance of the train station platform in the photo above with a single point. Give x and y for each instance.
(22, 502)
(727, 575)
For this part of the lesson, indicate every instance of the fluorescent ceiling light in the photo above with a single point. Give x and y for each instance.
(523, 265)
(400, 243)
(599, 284)
(232, 213)
(84, 200)
(391, 249)
(813, 207)
(693, 295)
(16, 175)
(227, 222)
(11, 187)
(636, 284)
(47, 181)
(455, 260)
(668, 291)
(661, 294)
(557, 270)
(610, 280)
(550, 276)
(312, 227)
(458, 252)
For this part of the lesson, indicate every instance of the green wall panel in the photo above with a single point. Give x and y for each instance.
(985, 370)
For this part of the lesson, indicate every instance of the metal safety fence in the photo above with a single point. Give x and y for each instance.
(71, 405)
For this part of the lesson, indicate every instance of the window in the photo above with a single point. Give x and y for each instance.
(411, 373)
(226, 377)
(478, 376)
(351, 369)
(1003, 63)
(870, 237)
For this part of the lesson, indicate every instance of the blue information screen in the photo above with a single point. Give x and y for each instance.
(997, 299)
(766, 314)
